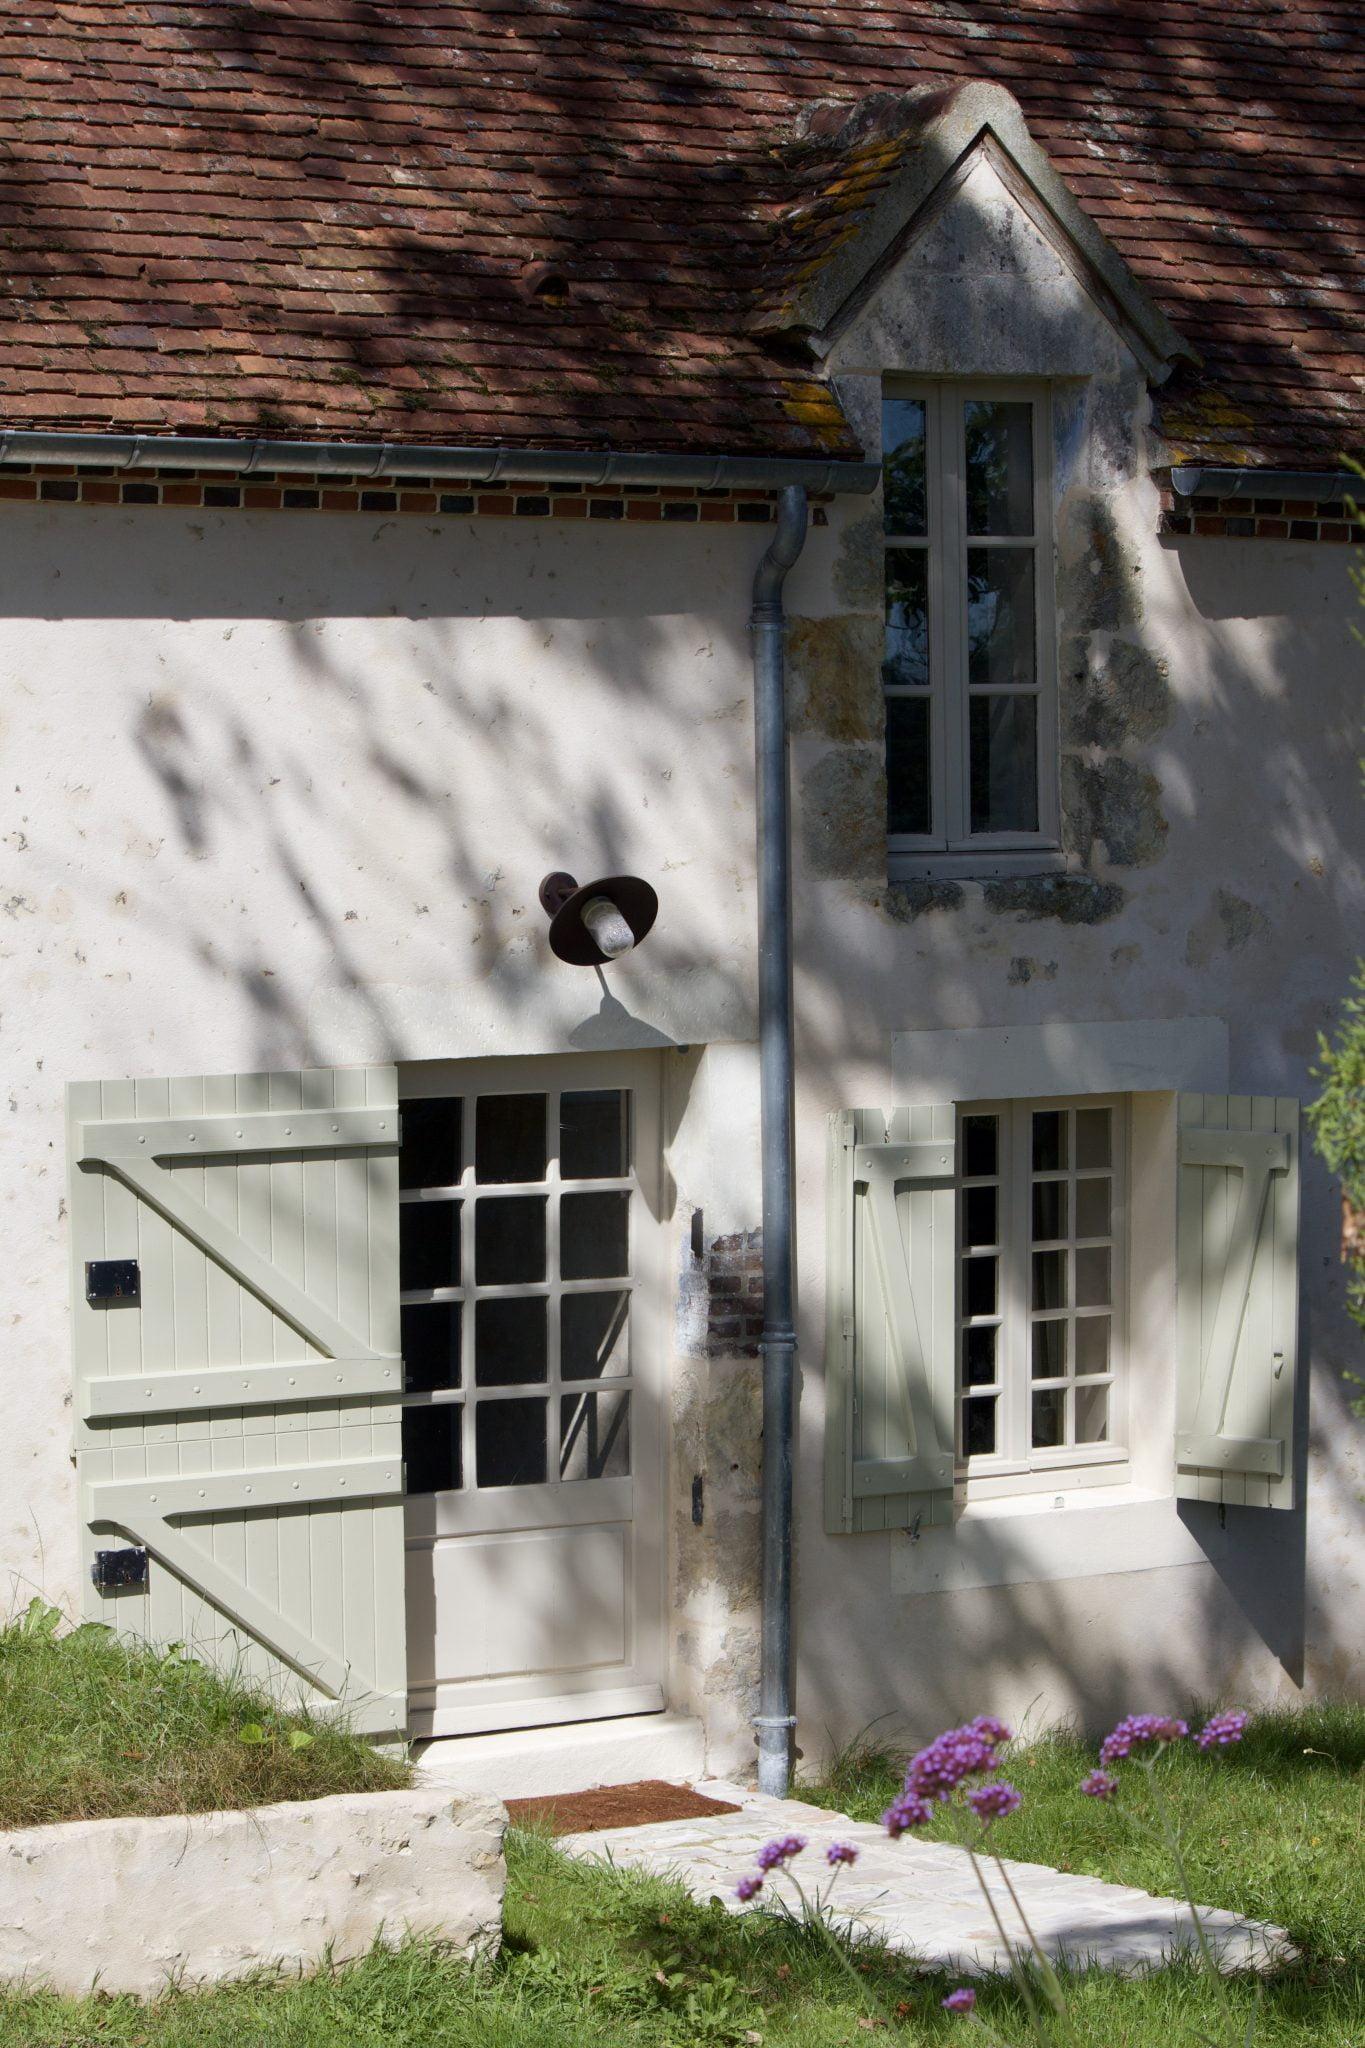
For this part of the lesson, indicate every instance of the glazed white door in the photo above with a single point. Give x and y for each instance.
(530, 1287)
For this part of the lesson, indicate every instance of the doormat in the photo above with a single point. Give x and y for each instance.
(614, 1806)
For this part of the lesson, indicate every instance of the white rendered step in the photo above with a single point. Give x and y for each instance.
(526, 1763)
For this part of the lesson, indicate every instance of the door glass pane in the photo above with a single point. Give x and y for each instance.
(1092, 1137)
(1092, 1203)
(1092, 1415)
(999, 438)
(594, 1336)
(1092, 1278)
(509, 1240)
(594, 1239)
(978, 1427)
(1092, 1344)
(1049, 1350)
(509, 1443)
(428, 1245)
(509, 1138)
(906, 656)
(431, 1447)
(979, 1207)
(1049, 1280)
(1049, 1140)
(1049, 1418)
(429, 1156)
(1049, 1209)
(980, 1137)
(903, 467)
(1003, 742)
(510, 1342)
(908, 806)
(592, 1134)
(978, 1355)
(979, 1287)
(1000, 623)
(431, 1344)
(594, 1436)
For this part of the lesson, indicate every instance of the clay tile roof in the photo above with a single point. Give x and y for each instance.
(550, 222)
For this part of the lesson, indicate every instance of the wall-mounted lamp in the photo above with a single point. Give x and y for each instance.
(599, 921)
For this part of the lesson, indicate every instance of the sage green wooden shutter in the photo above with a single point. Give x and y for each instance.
(1237, 1233)
(240, 1419)
(892, 1332)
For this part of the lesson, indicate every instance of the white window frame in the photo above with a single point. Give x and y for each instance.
(951, 848)
(1015, 1467)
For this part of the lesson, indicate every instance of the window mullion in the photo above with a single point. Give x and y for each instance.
(952, 694)
(1017, 1284)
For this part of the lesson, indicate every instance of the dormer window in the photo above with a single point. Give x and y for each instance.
(968, 666)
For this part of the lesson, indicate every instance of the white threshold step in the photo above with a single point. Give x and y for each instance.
(528, 1763)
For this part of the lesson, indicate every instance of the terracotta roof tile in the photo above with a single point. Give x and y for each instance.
(328, 217)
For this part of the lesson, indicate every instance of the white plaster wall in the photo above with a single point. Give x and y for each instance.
(280, 790)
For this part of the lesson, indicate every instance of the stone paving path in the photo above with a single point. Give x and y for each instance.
(923, 1898)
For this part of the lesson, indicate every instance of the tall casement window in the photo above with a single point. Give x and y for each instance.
(968, 662)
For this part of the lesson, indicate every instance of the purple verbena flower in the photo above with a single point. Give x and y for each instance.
(993, 1802)
(1099, 1785)
(748, 1888)
(993, 1730)
(1221, 1729)
(774, 1854)
(961, 2000)
(937, 1771)
(907, 1811)
(840, 1852)
(1140, 1728)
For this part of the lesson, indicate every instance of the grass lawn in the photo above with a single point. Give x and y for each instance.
(91, 1727)
(597, 1957)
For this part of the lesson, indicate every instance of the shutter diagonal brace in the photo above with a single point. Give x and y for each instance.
(881, 1168)
(1254, 1156)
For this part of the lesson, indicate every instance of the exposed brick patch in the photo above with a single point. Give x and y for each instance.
(413, 495)
(1260, 519)
(733, 1271)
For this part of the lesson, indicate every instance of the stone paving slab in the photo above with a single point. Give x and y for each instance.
(923, 1898)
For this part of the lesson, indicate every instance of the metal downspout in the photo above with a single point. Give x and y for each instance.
(775, 1719)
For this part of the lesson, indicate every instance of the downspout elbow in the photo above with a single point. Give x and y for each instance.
(782, 554)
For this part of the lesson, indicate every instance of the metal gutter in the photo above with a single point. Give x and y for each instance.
(478, 465)
(1322, 485)
(775, 1719)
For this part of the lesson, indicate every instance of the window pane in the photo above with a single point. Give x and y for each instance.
(999, 437)
(430, 1337)
(429, 1156)
(1004, 764)
(1049, 1209)
(979, 1287)
(509, 1240)
(594, 1336)
(907, 765)
(1049, 1350)
(903, 465)
(906, 655)
(429, 1244)
(979, 1215)
(1092, 1137)
(1092, 1279)
(509, 1443)
(1000, 623)
(431, 1447)
(978, 1428)
(592, 1134)
(594, 1237)
(1092, 1204)
(1049, 1418)
(509, 1342)
(1049, 1280)
(1092, 1415)
(978, 1356)
(1049, 1140)
(509, 1138)
(1092, 1344)
(594, 1436)
(980, 1145)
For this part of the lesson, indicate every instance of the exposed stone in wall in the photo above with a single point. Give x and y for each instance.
(905, 901)
(1024, 968)
(1071, 899)
(1097, 580)
(1229, 924)
(834, 676)
(843, 813)
(1112, 691)
(1114, 806)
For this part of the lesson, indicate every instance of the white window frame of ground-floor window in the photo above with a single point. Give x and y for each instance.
(1015, 1467)
(955, 850)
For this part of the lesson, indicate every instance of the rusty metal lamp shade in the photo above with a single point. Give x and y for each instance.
(572, 938)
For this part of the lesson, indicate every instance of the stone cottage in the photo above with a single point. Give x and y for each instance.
(853, 500)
